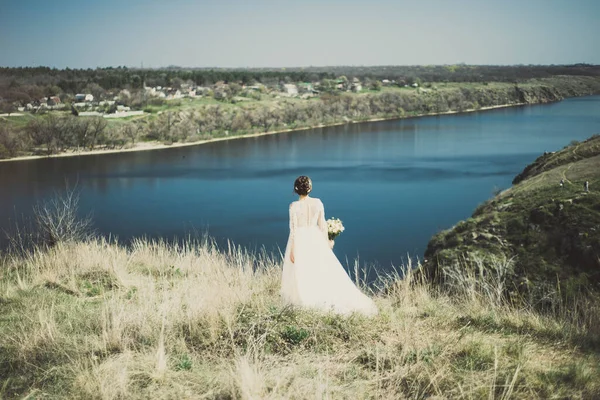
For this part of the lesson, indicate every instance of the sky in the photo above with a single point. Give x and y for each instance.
(282, 33)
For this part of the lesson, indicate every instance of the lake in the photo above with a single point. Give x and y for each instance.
(393, 183)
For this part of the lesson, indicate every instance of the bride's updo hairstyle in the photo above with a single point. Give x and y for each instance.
(302, 185)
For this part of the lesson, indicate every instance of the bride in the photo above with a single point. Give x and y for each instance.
(312, 276)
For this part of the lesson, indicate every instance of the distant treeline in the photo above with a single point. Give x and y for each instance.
(458, 73)
(30, 82)
(48, 134)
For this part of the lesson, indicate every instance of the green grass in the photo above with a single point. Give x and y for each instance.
(98, 320)
(19, 121)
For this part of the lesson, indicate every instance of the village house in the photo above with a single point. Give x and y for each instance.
(290, 89)
(173, 94)
(53, 101)
(81, 97)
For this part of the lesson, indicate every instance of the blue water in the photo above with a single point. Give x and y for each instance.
(394, 183)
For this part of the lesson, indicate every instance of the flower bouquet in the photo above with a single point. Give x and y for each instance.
(334, 228)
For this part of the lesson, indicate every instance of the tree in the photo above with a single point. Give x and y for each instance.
(327, 85)
(136, 81)
(235, 89)
(290, 113)
(95, 90)
(375, 85)
(182, 130)
(51, 90)
(176, 83)
(130, 131)
(114, 138)
(264, 118)
(82, 132)
(97, 127)
(6, 107)
(241, 121)
(10, 142)
(46, 132)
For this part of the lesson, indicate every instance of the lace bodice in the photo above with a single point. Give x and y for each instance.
(306, 213)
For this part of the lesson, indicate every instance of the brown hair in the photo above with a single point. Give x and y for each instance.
(302, 185)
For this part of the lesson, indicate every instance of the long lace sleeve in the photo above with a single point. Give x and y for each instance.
(322, 223)
(293, 224)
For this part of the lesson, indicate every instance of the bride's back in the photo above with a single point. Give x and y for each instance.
(307, 211)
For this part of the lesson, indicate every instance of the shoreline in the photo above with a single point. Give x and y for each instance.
(147, 146)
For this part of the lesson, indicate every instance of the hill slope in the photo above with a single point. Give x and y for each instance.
(96, 320)
(553, 231)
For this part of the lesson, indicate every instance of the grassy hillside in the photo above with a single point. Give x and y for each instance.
(95, 320)
(553, 232)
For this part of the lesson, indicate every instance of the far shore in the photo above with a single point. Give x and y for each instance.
(145, 146)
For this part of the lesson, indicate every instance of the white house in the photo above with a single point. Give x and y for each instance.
(290, 89)
(84, 97)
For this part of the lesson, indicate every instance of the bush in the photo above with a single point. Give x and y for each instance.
(10, 144)
(4, 153)
(56, 220)
(157, 101)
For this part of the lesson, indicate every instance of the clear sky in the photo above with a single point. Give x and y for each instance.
(281, 33)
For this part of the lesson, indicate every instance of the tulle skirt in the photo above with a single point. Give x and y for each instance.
(318, 280)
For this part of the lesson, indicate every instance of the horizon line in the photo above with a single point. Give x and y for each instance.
(302, 67)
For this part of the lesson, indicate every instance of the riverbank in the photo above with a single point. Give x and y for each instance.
(199, 121)
(147, 146)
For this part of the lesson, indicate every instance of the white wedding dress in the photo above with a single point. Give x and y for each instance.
(316, 279)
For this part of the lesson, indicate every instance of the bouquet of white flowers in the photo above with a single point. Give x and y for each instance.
(334, 228)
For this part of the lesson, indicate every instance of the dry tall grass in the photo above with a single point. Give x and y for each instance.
(97, 320)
